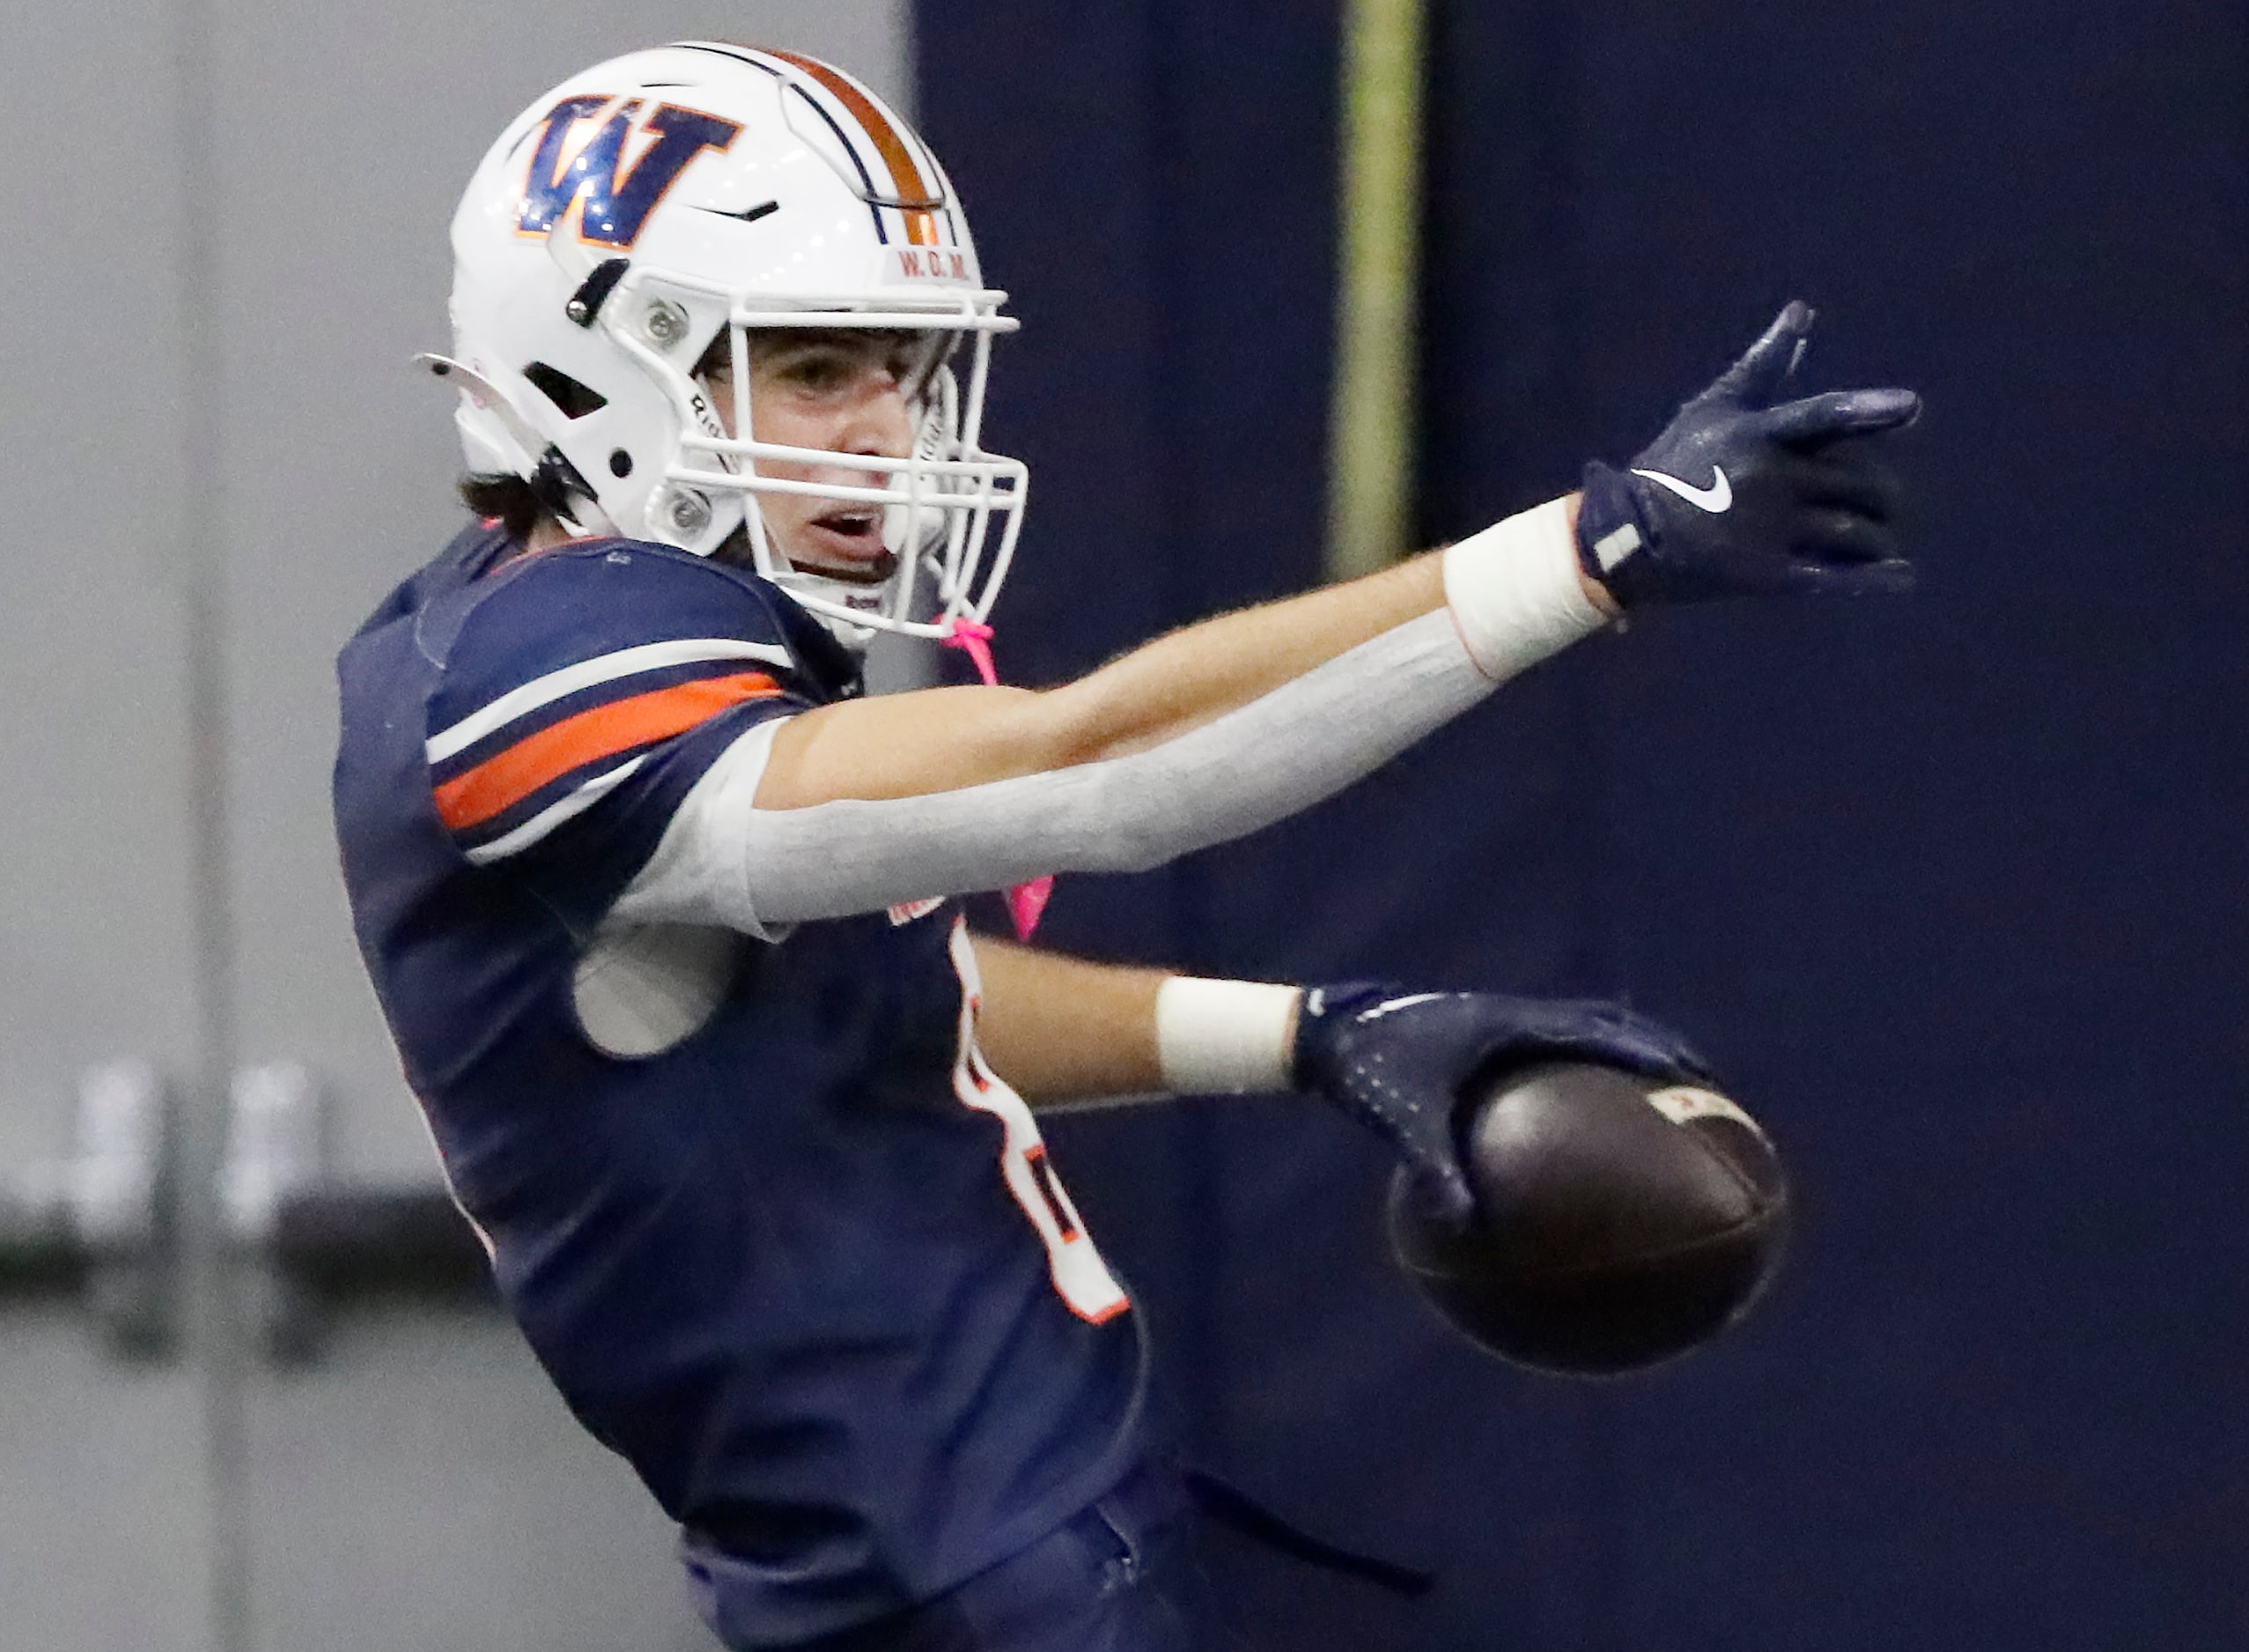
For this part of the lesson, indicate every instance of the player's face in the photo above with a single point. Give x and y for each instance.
(846, 393)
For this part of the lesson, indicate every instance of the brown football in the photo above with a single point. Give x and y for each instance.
(1620, 1220)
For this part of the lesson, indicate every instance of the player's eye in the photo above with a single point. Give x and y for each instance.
(823, 369)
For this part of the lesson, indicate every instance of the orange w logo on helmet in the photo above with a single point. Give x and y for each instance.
(617, 197)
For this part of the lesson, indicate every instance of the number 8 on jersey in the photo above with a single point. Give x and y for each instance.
(1080, 1278)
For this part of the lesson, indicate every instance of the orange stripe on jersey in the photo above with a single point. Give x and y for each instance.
(912, 189)
(502, 781)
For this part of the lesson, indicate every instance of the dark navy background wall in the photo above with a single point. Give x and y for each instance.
(1953, 888)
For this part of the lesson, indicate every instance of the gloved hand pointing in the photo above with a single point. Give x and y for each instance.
(1745, 495)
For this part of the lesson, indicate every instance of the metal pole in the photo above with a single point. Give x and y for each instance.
(214, 1340)
(1371, 423)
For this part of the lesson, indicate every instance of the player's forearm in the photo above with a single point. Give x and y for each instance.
(912, 745)
(1179, 682)
(1504, 589)
(1238, 773)
(1064, 1032)
(1061, 1030)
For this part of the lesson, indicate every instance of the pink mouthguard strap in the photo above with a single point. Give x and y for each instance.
(1026, 902)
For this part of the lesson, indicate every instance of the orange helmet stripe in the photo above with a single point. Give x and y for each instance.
(914, 192)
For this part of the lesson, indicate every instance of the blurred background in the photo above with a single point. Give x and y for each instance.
(1951, 889)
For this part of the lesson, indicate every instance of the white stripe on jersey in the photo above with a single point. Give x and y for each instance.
(649, 656)
(553, 814)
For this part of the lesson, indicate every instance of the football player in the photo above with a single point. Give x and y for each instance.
(656, 904)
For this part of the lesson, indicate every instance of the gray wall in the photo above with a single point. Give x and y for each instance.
(229, 236)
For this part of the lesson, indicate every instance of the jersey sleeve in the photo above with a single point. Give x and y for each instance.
(582, 698)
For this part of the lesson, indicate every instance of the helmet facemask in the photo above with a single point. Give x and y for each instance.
(950, 512)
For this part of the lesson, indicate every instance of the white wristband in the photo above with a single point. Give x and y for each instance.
(1514, 591)
(1224, 1037)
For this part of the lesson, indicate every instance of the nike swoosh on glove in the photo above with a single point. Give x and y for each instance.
(1746, 494)
(1398, 1061)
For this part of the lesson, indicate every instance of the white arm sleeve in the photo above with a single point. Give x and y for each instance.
(723, 861)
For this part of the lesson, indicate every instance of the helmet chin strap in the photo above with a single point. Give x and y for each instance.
(909, 530)
(840, 594)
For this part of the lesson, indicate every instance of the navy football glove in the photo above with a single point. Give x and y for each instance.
(1398, 1061)
(1745, 495)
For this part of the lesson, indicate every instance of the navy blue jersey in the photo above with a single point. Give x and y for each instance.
(807, 1268)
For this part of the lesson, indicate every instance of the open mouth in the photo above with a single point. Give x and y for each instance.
(846, 543)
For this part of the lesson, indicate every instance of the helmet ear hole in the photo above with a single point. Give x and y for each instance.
(574, 398)
(620, 463)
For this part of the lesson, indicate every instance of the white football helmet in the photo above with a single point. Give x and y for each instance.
(630, 214)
